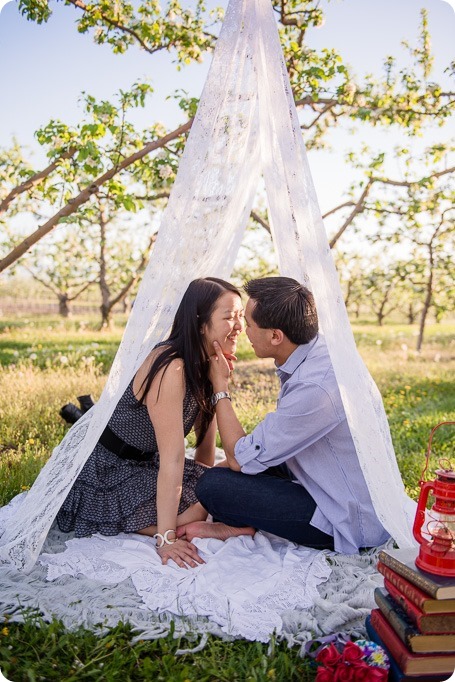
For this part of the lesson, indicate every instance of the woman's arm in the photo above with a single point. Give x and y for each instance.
(205, 452)
(165, 406)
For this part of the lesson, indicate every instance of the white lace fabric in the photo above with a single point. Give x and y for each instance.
(244, 586)
(246, 123)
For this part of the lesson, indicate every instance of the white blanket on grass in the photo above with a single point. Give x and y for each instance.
(253, 588)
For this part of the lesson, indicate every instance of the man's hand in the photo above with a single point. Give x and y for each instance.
(220, 369)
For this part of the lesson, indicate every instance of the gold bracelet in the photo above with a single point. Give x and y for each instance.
(163, 537)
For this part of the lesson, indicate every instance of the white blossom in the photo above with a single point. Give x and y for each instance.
(165, 172)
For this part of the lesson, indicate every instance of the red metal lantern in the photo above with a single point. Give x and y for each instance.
(437, 550)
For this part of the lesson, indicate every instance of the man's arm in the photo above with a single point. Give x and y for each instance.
(228, 425)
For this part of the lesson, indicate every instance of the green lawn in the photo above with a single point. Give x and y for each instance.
(45, 363)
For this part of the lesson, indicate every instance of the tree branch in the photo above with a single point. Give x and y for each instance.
(358, 208)
(260, 221)
(34, 179)
(133, 280)
(74, 203)
(116, 24)
(408, 183)
(337, 208)
(48, 285)
(81, 291)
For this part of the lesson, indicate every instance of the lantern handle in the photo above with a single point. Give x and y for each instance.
(428, 453)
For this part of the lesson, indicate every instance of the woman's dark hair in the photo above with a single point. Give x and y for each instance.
(283, 303)
(185, 342)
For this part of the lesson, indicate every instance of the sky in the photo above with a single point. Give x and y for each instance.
(45, 67)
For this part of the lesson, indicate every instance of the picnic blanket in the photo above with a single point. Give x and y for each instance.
(252, 588)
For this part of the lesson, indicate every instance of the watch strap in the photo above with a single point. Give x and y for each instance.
(218, 396)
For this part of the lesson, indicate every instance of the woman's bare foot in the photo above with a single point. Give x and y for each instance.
(207, 529)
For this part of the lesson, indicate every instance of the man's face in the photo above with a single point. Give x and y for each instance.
(258, 337)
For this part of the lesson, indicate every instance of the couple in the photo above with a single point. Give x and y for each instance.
(296, 475)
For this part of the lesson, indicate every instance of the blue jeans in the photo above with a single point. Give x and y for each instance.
(269, 501)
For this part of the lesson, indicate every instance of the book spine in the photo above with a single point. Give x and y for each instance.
(395, 674)
(390, 614)
(408, 607)
(429, 624)
(395, 646)
(412, 592)
(410, 574)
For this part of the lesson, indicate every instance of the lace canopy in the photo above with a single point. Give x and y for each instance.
(246, 124)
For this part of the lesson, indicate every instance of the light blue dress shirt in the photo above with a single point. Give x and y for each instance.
(309, 432)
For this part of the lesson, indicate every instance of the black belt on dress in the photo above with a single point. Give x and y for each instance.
(118, 446)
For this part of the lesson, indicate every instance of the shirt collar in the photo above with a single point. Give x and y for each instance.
(295, 359)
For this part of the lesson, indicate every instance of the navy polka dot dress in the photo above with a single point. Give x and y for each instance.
(112, 495)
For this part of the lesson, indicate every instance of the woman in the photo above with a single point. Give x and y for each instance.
(125, 485)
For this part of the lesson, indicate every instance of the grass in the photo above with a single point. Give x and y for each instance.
(35, 382)
(49, 652)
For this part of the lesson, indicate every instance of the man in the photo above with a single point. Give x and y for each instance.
(297, 474)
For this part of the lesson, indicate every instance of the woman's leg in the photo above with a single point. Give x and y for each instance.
(195, 512)
(196, 516)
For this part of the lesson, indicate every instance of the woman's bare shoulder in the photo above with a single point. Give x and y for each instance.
(171, 373)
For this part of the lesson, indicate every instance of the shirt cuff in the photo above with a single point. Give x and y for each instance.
(247, 451)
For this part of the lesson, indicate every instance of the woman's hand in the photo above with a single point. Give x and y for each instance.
(182, 552)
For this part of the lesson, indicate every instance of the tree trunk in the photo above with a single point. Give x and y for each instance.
(411, 314)
(126, 304)
(105, 306)
(63, 305)
(427, 303)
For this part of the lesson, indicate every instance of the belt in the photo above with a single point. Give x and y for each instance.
(123, 450)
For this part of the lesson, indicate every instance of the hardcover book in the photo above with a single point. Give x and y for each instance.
(434, 623)
(406, 630)
(409, 662)
(402, 561)
(395, 673)
(420, 598)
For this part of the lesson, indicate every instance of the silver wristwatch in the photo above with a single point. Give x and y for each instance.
(217, 396)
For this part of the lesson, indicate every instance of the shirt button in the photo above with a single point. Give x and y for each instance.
(258, 447)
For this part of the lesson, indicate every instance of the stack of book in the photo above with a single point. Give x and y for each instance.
(415, 619)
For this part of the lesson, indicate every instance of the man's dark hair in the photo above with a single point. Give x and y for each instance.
(283, 303)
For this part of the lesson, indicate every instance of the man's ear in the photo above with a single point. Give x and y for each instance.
(277, 337)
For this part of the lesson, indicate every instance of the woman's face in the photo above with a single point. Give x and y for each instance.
(225, 324)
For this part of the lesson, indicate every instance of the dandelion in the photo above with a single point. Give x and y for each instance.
(378, 342)
(25, 487)
(33, 356)
(15, 353)
(31, 441)
(63, 359)
(5, 632)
